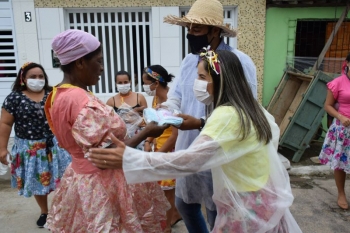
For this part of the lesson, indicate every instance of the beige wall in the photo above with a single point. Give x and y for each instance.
(251, 21)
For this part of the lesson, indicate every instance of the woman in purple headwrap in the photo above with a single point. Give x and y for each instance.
(90, 199)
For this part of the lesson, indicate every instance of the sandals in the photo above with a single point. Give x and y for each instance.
(178, 220)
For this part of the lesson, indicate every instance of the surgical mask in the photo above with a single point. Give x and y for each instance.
(201, 93)
(148, 90)
(123, 88)
(35, 85)
(197, 43)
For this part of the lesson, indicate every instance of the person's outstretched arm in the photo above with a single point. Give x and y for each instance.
(151, 130)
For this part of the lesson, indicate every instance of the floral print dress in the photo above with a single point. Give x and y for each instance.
(90, 199)
(38, 163)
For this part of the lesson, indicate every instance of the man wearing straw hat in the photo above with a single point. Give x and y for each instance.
(206, 27)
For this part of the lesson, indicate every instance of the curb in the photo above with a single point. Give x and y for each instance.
(313, 170)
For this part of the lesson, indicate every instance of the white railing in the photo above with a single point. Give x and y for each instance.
(126, 39)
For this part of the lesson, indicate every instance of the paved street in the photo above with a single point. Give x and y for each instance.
(314, 208)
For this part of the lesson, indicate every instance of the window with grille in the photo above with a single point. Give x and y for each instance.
(8, 53)
(311, 37)
(230, 17)
(126, 42)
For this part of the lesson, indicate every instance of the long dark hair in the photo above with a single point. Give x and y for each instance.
(22, 74)
(231, 89)
(122, 72)
(344, 67)
(163, 72)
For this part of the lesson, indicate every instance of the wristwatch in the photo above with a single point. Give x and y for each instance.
(202, 124)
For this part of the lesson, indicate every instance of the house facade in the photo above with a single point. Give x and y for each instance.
(296, 33)
(132, 33)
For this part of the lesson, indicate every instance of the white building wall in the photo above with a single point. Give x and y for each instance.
(26, 32)
(50, 22)
(166, 40)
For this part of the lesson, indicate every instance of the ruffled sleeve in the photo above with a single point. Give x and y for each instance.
(94, 123)
(333, 86)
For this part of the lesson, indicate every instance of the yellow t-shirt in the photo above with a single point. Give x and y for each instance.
(248, 168)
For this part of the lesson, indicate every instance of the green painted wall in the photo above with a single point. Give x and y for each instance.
(276, 40)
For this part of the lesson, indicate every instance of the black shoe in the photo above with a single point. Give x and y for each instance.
(42, 220)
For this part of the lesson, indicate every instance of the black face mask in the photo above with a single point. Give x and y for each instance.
(196, 43)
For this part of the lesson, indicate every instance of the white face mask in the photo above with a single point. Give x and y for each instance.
(201, 93)
(35, 85)
(148, 90)
(123, 88)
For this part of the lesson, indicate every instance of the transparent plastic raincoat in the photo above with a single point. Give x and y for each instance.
(252, 192)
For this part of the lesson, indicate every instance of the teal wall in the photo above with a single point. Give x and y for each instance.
(276, 40)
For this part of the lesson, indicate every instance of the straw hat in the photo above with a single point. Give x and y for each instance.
(206, 12)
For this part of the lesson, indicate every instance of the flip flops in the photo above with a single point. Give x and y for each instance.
(178, 220)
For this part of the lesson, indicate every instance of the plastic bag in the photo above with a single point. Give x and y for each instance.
(4, 168)
(162, 116)
(131, 118)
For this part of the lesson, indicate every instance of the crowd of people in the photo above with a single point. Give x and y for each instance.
(111, 171)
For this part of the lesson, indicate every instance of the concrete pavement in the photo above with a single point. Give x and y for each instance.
(314, 207)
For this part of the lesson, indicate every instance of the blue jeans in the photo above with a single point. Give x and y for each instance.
(193, 217)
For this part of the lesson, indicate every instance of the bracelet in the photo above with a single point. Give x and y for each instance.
(202, 124)
(147, 141)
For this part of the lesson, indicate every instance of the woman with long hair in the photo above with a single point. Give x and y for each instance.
(238, 143)
(38, 163)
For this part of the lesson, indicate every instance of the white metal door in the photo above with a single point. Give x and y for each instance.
(126, 39)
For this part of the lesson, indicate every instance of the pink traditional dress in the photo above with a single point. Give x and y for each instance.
(90, 199)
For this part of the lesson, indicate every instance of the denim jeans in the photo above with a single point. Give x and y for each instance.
(193, 217)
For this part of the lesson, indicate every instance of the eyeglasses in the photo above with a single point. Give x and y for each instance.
(39, 111)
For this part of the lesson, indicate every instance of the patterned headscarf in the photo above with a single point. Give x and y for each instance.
(154, 75)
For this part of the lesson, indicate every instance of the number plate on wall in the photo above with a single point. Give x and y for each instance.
(28, 16)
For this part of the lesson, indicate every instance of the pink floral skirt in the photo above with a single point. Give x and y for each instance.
(104, 202)
(249, 214)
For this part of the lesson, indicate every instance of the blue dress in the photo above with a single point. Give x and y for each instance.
(38, 163)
